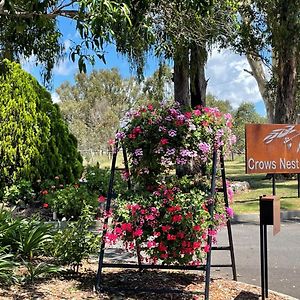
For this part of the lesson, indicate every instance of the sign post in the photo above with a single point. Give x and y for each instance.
(272, 149)
(269, 207)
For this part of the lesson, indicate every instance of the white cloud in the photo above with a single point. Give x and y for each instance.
(55, 97)
(65, 68)
(228, 80)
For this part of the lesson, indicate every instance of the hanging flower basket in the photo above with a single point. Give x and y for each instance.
(166, 218)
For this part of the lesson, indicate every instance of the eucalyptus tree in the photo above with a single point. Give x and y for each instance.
(178, 30)
(269, 36)
(95, 104)
(29, 27)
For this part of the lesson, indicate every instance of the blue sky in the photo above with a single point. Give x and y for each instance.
(225, 70)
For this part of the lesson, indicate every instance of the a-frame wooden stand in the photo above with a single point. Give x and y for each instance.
(206, 268)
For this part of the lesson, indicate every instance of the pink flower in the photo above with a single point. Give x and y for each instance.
(206, 248)
(229, 212)
(45, 205)
(151, 244)
(149, 217)
(197, 112)
(118, 230)
(138, 232)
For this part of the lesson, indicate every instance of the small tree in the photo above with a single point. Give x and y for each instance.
(34, 140)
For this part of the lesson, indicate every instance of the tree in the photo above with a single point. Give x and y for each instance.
(269, 35)
(158, 86)
(180, 30)
(223, 105)
(34, 141)
(244, 114)
(95, 104)
(29, 27)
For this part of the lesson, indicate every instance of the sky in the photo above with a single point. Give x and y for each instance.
(225, 71)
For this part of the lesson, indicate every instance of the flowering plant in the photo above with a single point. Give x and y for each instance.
(166, 218)
(158, 139)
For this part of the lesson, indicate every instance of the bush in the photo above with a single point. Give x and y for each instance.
(35, 142)
(71, 201)
(75, 242)
(20, 193)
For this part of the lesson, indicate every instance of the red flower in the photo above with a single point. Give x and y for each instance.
(206, 248)
(196, 245)
(45, 205)
(188, 114)
(165, 228)
(150, 107)
(126, 227)
(176, 218)
(162, 247)
(101, 199)
(197, 227)
(110, 142)
(171, 237)
(164, 141)
(44, 192)
(132, 136)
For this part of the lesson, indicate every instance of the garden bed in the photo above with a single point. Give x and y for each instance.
(81, 286)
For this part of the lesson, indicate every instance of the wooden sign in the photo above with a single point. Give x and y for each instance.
(272, 148)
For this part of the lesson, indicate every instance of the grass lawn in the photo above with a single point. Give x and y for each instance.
(247, 202)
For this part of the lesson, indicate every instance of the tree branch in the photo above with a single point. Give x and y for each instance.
(72, 14)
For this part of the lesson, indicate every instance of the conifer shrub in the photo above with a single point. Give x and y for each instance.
(35, 142)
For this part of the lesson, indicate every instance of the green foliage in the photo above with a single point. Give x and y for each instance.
(97, 180)
(34, 140)
(94, 106)
(38, 35)
(31, 236)
(75, 242)
(243, 115)
(71, 201)
(6, 267)
(20, 193)
(36, 271)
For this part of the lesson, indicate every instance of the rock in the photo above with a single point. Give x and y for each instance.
(240, 186)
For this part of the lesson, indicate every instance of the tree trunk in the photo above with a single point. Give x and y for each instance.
(286, 89)
(198, 83)
(288, 52)
(181, 77)
(258, 73)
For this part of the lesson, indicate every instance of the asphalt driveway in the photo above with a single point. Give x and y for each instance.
(283, 256)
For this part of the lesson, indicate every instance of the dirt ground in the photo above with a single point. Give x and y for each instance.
(81, 286)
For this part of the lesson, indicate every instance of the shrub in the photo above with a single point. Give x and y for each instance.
(34, 140)
(75, 242)
(20, 193)
(70, 201)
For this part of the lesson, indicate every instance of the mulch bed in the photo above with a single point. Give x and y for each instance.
(81, 286)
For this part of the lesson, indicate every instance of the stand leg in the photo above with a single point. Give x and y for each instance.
(262, 262)
(207, 270)
(266, 261)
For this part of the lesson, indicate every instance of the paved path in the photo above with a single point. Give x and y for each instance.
(283, 256)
